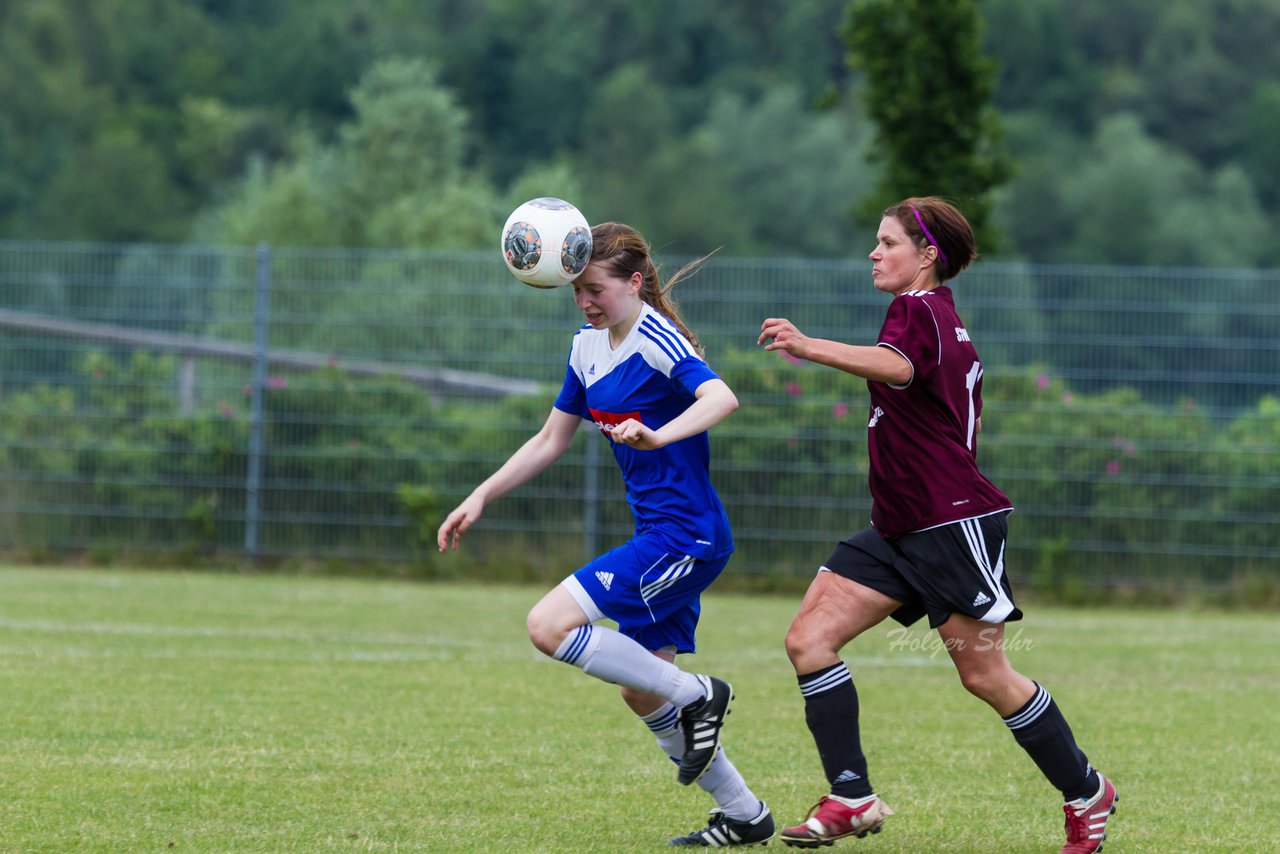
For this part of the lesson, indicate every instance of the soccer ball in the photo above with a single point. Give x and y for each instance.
(546, 242)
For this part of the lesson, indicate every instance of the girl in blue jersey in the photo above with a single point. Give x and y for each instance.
(936, 543)
(638, 374)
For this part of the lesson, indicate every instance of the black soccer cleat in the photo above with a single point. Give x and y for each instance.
(701, 721)
(724, 832)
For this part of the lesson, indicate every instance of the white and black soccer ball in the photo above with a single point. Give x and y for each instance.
(546, 242)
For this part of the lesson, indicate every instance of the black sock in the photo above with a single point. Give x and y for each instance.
(1043, 732)
(831, 711)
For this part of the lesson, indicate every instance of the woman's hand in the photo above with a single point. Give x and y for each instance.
(635, 435)
(785, 337)
(457, 522)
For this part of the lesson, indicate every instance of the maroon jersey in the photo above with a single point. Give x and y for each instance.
(922, 436)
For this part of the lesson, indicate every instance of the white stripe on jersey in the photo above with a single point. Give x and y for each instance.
(936, 329)
(654, 337)
(665, 336)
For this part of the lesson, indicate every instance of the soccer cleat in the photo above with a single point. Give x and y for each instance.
(834, 818)
(701, 721)
(724, 832)
(1087, 820)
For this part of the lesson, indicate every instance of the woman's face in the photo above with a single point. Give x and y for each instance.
(607, 301)
(897, 265)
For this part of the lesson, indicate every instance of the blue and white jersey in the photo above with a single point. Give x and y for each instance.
(651, 377)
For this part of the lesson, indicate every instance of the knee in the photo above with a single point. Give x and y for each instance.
(545, 633)
(986, 685)
(807, 647)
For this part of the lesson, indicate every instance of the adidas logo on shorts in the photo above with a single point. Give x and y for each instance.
(606, 578)
(981, 599)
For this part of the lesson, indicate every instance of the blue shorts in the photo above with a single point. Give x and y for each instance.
(649, 591)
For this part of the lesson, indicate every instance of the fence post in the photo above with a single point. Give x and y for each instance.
(253, 484)
(591, 496)
(187, 386)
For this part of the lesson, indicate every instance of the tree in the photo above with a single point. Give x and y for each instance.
(1261, 154)
(929, 89)
(1134, 199)
(396, 176)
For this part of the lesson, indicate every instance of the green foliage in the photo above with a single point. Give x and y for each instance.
(1261, 154)
(123, 166)
(1182, 88)
(114, 442)
(1128, 200)
(737, 169)
(217, 142)
(929, 90)
(396, 176)
(423, 504)
(371, 465)
(242, 122)
(90, 94)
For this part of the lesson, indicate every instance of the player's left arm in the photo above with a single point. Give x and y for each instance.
(714, 401)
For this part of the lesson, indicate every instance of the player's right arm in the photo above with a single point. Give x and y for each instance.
(544, 448)
(881, 364)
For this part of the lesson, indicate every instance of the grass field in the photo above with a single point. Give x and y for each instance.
(157, 711)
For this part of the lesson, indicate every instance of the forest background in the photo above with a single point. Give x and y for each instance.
(1141, 131)
(375, 146)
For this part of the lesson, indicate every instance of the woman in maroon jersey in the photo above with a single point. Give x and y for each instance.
(936, 543)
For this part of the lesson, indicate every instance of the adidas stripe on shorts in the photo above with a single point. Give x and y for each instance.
(650, 591)
(956, 568)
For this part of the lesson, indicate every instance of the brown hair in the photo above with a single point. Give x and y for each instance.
(932, 221)
(624, 251)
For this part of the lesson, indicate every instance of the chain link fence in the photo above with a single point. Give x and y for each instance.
(274, 404)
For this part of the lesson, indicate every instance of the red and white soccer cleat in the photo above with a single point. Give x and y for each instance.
(834, 818)
(1087, 820)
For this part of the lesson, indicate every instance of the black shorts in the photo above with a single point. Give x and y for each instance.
(952, 569)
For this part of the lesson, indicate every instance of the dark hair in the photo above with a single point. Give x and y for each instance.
(625, 251)
(932, 221)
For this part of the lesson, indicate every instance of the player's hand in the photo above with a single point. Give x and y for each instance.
(457, 523)
(784, 337)
(633, 434)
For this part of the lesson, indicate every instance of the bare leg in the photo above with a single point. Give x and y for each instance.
(834, 611)
(551, 620)
(977, 650)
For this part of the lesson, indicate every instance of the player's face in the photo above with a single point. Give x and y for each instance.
(607, 301)
(896, 262)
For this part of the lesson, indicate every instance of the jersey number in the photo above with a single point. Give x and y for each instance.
(971, 384)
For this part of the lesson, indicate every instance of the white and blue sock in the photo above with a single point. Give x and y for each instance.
(613, 657)
(722, 781)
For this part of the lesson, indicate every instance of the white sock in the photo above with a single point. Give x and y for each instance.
(664, 723)
(614, 657)
(722, 781)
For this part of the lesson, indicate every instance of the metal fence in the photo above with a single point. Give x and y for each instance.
(332, 405)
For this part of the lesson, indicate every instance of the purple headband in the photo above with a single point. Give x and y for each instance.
(929, 236)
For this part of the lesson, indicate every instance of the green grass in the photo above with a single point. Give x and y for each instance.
(158, 711)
